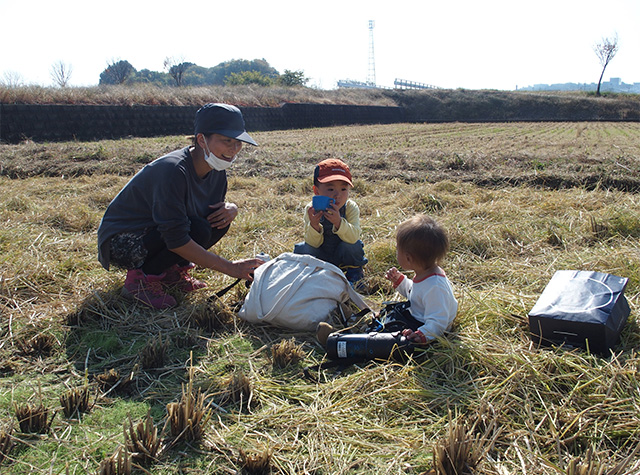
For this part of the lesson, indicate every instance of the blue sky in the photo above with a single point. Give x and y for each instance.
(472, 44)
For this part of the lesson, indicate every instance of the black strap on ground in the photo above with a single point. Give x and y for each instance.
(355, 316)
(220, 293)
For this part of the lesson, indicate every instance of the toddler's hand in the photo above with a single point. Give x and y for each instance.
(415, 337)
(394, 275)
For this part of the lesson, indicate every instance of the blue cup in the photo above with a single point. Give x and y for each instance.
(321, 203)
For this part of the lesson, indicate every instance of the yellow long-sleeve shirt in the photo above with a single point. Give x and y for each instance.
(349, 227)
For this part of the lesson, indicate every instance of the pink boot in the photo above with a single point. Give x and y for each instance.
(180, 278)
(147, 289)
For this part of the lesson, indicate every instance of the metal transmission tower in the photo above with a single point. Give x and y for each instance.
(371, 74)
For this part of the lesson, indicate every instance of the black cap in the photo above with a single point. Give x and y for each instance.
(223, 119)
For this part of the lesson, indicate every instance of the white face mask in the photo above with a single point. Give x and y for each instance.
(216, 163)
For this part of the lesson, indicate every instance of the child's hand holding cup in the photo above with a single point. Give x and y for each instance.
(321, 203)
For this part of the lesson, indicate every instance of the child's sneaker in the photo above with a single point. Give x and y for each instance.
(323, 331)
(147, 289)
(180, 278)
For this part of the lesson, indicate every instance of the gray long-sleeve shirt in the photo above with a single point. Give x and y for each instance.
(163, 194)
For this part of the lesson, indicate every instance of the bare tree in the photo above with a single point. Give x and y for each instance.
(61, 73)
(176, 67)
(11, 79)
(605, 50)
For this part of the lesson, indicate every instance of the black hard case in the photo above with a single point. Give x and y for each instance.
(580, 309)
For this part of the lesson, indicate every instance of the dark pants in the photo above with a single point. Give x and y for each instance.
(337, 252)
(157, 257)
(395, 316)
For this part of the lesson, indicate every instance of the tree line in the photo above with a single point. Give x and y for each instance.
(178, 72)
(182, 73)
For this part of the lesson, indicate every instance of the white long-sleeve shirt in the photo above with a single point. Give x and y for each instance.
(432, 302)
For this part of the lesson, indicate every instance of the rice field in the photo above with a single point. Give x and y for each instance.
(90, 383)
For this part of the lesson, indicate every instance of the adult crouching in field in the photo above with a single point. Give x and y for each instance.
(165, 219)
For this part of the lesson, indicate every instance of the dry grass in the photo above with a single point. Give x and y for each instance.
(34, 418)
(286, 353)
(256, 464)
(144, 94)
(154, 353)
(485, 387)
(548, 155)
(75, 401)
(142, 441)
(188, 417)
(457, 454)
(118, 464)
(6, 441)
